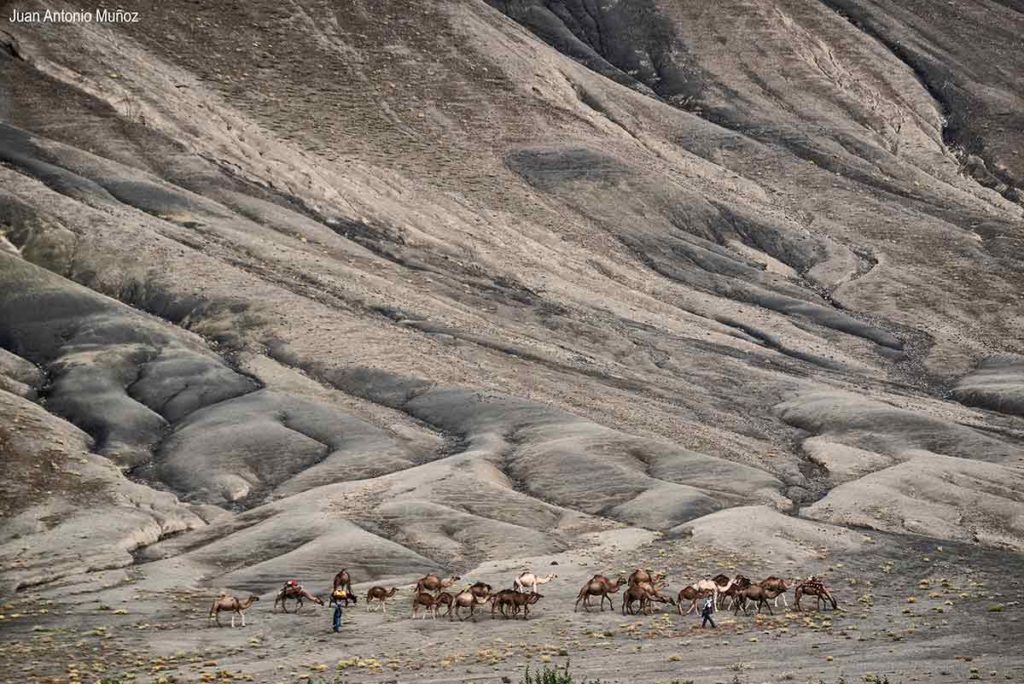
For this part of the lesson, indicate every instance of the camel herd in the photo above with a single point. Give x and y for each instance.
(643, 590)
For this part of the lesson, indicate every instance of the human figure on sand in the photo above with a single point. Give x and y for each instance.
(709, 608)
(338, 596)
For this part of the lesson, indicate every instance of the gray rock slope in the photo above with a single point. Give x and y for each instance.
(425, 285)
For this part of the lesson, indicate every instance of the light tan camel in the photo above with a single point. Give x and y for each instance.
(434, 583)
(601, 586)
(465, 599)
(529, 579)
(225, 602)
(713, 586)
(381, 596)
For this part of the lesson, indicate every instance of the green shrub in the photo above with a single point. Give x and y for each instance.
(553, 675)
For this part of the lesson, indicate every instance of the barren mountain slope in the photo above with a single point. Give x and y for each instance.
(446, 286)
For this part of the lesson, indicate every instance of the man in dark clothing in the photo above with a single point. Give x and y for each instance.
(709, 608)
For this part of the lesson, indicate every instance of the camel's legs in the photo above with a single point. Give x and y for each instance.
(232, 620)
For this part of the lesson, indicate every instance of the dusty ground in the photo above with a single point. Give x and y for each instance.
(472, 286)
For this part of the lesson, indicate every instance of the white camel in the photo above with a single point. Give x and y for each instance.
(528, 579)
(713, 587)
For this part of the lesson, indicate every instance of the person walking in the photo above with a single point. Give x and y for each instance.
(709, 608)
(337, 596)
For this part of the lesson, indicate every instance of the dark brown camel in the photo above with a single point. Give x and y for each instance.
(518, 601)
(501, 599)
(445, 599)
(601, 586)
(381, 596)
(237, 607)
(777, 586)
(814, 587)
(295, 592)
(646, 594)
(732, 590)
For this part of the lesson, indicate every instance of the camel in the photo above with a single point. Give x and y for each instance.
(444, 599)
(225, 602)
(434, 583)
(501, 599)
(427, 601)
(636, 593)
(758, 594)
(639, 576)
(518, 601)
(713, 586)
(814, 587)
(381, 595)
(481, 591)
(732, 589)
(343, 580)
(295, 592)
(465, 599)
(691, 594)
(778, 586)
(601, 586)
(647, 594)
(528, 579)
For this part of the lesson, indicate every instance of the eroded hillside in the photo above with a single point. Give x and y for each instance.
(416, 287)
